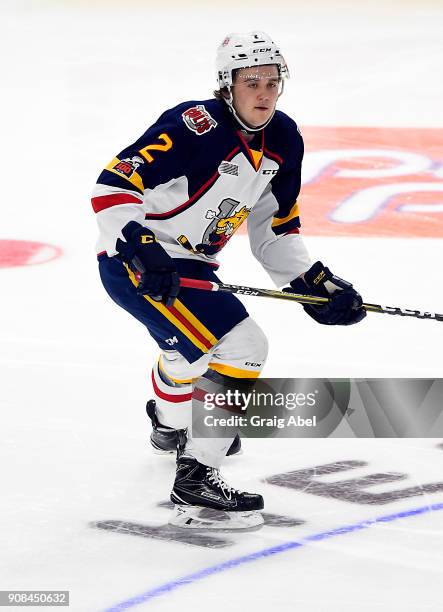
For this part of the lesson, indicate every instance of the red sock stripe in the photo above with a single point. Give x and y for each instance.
(176, 399)
(190, 327)
(102, 202)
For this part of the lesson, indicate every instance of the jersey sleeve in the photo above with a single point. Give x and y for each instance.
(274, 222)
(158, 157)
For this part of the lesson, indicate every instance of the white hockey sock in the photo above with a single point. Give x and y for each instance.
(173, 404)
(209, 451)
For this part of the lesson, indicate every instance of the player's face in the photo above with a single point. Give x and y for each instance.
(255, 92)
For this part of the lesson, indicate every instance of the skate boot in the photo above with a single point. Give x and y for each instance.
(203, 500)
(164, 440)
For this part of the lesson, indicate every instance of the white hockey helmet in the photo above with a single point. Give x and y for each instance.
(244, 51)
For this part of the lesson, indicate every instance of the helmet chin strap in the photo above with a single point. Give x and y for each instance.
(249, 128)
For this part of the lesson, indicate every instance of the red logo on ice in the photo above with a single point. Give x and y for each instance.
(198, 120)
(372, 182)
(25, 253)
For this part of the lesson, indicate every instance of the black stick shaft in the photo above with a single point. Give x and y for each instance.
(303, 299)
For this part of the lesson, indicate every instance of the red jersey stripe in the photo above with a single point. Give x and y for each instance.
(106, 201)
(190, 327)
(192, 199)
(273, 156)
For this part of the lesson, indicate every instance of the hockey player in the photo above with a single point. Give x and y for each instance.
(166, 205)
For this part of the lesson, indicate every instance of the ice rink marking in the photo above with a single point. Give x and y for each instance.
(267, 552)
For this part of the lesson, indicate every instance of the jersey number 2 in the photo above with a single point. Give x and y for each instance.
(156, 147)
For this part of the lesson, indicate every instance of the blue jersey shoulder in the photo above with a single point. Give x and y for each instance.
(183, 123)
(198, 116)
(283, 121)
(283, 137)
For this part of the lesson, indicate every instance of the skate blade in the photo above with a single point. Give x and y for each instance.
(196, 517)
(160, 451)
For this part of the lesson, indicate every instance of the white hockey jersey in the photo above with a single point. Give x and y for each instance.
(193, 179)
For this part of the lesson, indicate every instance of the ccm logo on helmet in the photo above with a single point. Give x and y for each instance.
(262, 50)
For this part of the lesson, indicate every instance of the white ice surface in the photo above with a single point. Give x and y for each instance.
(79, 82)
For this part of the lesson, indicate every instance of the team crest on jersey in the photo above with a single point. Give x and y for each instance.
(224, 224)
(128, 166)
(198, 120)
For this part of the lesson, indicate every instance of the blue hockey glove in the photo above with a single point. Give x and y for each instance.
(143, 254)
(345, 304)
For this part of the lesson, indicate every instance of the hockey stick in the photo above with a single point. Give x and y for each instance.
(301, 299)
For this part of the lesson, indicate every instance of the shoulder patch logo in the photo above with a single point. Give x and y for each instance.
(228, 168)
(128, 166)
(198, 120)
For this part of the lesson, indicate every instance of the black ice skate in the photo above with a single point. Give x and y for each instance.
(164, 440)
(204, 500)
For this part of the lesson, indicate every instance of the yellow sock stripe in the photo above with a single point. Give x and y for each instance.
(195, 322)
(233, 372)
(165, 312)
(176, 380)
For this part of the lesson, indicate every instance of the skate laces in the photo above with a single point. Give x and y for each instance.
(215, 477)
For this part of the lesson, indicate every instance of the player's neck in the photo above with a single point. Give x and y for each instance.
(247, 135)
